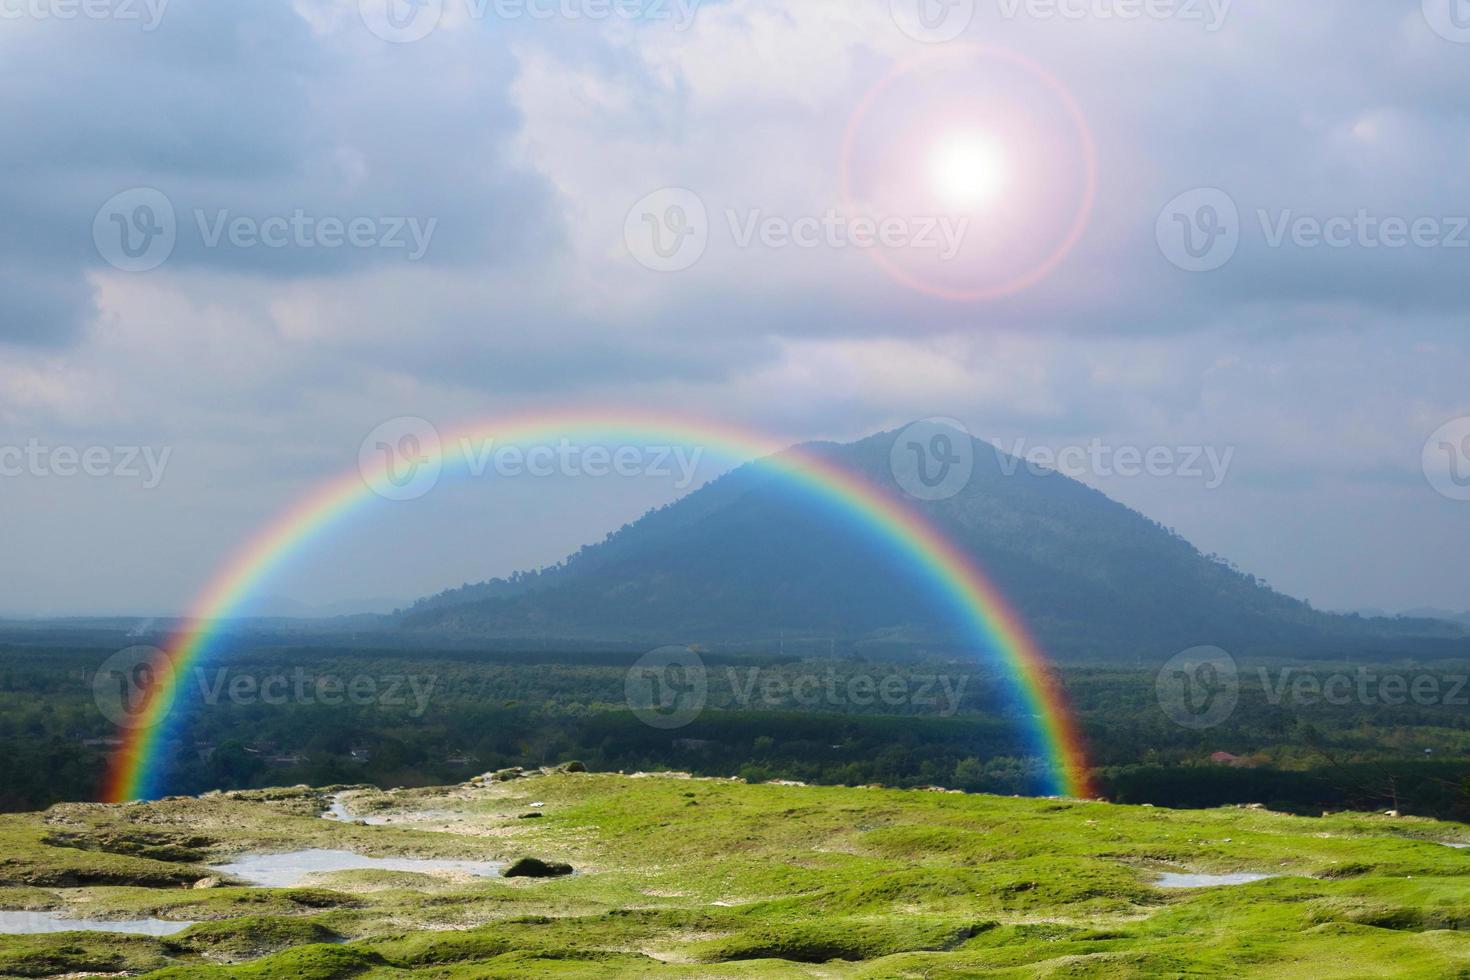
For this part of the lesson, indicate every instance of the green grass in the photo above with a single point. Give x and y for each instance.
(679, 877)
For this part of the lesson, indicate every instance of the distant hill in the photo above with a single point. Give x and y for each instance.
(1463, 618)
(283, 607)
(747, 559)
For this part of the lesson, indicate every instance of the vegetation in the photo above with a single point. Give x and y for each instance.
(949, 724)
(687, 877)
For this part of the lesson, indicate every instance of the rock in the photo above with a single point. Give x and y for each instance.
(1391, 813)
(572, 767)
(210, 882)
(533, 815)
(530, 867)
(506, 775)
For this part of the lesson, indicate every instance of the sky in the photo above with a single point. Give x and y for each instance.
(242, 238)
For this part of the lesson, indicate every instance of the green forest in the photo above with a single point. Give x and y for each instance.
(258, 717)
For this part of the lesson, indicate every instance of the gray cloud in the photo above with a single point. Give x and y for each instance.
(527, 143)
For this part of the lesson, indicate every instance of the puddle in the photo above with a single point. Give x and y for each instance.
(39, 923)
(1172, 880)
(338, 811)
(1460, 846)
(288, 869)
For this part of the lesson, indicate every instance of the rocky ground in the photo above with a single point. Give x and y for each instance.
(663, 875)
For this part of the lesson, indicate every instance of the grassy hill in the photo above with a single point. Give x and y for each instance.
(747, 558)
(679, 877)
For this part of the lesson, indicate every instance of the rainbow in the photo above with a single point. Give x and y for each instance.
(139, 767)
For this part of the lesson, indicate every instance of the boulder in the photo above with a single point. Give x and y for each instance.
(529, 867)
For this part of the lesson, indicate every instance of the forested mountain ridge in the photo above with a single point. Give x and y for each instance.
(748, 557)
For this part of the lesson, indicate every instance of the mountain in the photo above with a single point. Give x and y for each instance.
(747, 559)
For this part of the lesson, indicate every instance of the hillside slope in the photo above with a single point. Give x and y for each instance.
(747, 557)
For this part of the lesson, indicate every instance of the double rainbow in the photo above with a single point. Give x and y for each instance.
(139, 769)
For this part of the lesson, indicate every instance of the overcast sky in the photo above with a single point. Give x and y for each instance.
(245, 234)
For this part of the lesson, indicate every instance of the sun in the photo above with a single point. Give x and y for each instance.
(967, 170)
